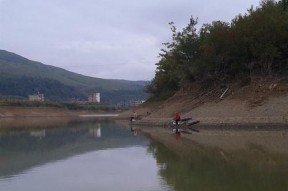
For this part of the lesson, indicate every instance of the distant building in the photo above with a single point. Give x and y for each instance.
(94, 98)
(36, 97)
(138, 102)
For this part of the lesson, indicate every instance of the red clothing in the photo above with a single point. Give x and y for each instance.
(177, 117)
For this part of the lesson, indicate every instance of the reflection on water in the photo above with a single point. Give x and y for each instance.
(76, 156)
(22, 148)
(38, 133)
(211, 168)
(95, 132)
(101, 155)
(97, 170)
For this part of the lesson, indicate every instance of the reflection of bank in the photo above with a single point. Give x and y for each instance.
(21, 151)
(96, 132)
(225, 161)
(39, 134)
(133, 130)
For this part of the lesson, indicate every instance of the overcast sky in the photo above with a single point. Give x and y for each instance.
(111, 39)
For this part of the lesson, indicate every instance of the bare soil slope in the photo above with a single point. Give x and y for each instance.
(255, 101)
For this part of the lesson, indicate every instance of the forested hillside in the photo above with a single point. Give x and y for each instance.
(219, 53)
(20, 77)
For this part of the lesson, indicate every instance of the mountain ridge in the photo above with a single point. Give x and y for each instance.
(16, 69)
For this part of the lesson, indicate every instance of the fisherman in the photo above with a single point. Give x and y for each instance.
(134, 116)
(177, 118)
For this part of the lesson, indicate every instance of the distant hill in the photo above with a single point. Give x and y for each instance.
(20, 76)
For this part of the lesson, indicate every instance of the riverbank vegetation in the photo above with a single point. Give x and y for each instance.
(253, 44)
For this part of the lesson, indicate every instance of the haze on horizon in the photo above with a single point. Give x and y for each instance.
(105, 39)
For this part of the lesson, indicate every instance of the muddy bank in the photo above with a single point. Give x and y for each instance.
(229, 111)
(6, 111)
(262, 101)
(14, 117)
(14, 112)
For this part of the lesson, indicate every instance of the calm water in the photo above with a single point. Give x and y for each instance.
(101, 155)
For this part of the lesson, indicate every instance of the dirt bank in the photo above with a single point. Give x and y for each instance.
(6, 111)
(259, 102)
(14, 112)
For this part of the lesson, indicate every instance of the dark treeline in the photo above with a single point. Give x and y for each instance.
(218, 53)
(25, 85)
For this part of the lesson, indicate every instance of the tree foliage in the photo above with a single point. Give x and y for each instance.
(255, 43)
(24, 86)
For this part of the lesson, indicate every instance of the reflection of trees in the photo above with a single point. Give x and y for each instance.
(212, 169)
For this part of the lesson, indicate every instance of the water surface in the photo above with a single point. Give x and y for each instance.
(89, 155)
(97, 154)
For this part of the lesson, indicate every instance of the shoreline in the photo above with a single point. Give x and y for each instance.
(18, 112)
(226, 138)
(157, 121)
(164, 122)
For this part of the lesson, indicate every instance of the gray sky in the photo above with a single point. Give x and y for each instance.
(108, 39)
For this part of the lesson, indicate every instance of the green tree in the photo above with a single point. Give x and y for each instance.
(215, 47)
(255, 43)
(261, 37)
(176, 65)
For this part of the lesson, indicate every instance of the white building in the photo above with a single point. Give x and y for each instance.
(94, 98)
(36, 97)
